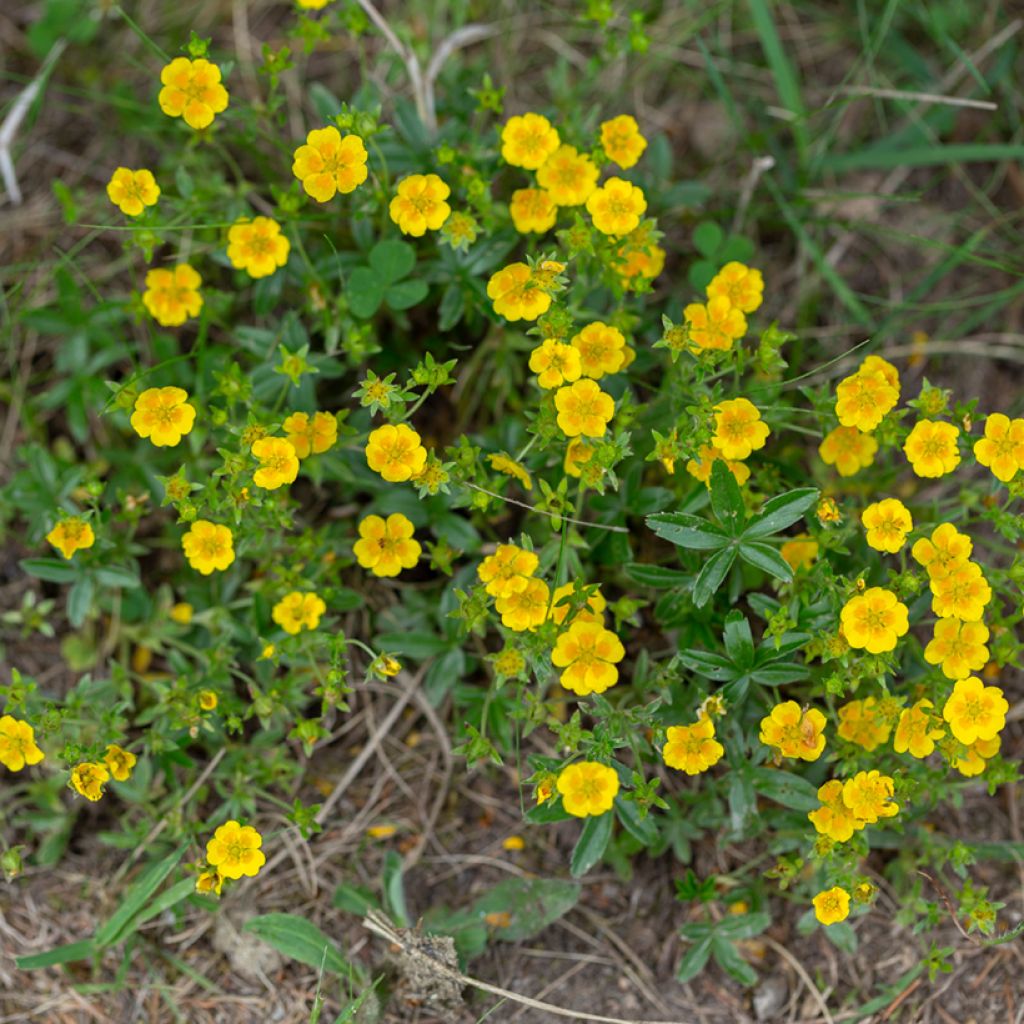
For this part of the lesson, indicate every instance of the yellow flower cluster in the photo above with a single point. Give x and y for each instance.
(847, 807)
(716, 324)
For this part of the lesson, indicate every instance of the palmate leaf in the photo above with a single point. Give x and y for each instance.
(763, 556)
(780, 512)
(727, 498)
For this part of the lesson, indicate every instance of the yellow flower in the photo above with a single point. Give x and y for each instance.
(700, 468)
(959, 647)
(386, 546)
(874, 620)
(17, 744)
(876, 364)
(192, 90)
(119, 762)
(583, 408)
(88, 779)
(593, 611)
(386, 665)
(524, 609)
(588, 788)
(311, 436)
(517, 294)
(502, 463)
(832, 905)
(555, 363)
(588, 653)
(793, 731)
(381, 831)
(419, 204)
(513, 844)
(235, 851)
(172, 296)
(508, 570)
(715, 325)
(692, 748)
(208, 700)
(973, 761)
(70, 535)
(269, 650)
(828, 511)
(739, 429)
(741, 285)
(975, 711)
(801, 552)
(297, 611)
(528, 140)
(163, 415)
(833, 818)
(545, 789)
(396, 452)
(568, 176)
(330, 163)
(848, 449)
(532, 209)
(860, 722)
(946, 551)
(637, 257)
(132, 191)
(257, 246)
(616, 207)
(577, 456)
(208, 547)
(931, 448)
(601, 348)
(888, 522)
(863, 399)
(279, 465)
(917, 730)
(868, 795)
(962, 593)
(181, 613)
(210, 881)
(1002, 447)
(621, 140)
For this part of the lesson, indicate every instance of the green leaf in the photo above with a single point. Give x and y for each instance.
(590, 846)
(60, 955)
(742, 798)
(356, 899)
(118, 576)
(120, 922)
(416, 645)
(365, 292)
(786, 788)
(644, 830)
(739, 643)
(744, 926)
(325, 103)
(168, 898)
(707, 237)
(547, 813)
(842, 936)
(406, 294)
(782, 511)
(888, 157)
(712, 575)
(657, 576)
(726, 498)
(394, 889)
(52, 570)
(392, 260)
(80, 600)
(687, 531)
(301, 940)
(729, 959)
(694, 960)
(532, 903)
(763, 556)
(709, 665)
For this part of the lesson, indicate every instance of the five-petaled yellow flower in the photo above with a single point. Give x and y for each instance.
(517, 293)
(311, 435)
(329, 163)
(587, 788)
(958, 647)
(621, 140)
(279, 465)
(419, 204)
(526, 608)
(832, 905)
(119, 762)
(863, 399)
(616, 207)
(132, 191)
(528, 140)
(17, 744)
(931, 448)
(210, 881)
(800, 552)
(297, 611)
(568, 176)
(172, 296)
(739, 429)
(743, 286)
(887, 522)
(975, 711)
(192, 90)
(1002, 448)
(89, 778)
(257, 246)
(861, 722)
(508, 570)
(917, 730)
(794, 731)
(70, 535)
(555, 363)
(386, 546)
(945, 551)
(868, 795)
(962, 593)
(208, 547)
(833, 818)
(163, 415)
(396, 452)
(874, 621)
(532, 209)
(235, 850)
(692, 748)
(587, 653)
(848, 449)
(602, 349)
(715, 325)
(583, 408)
(504, 463)
(208, 700)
